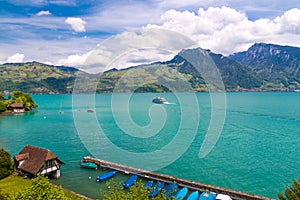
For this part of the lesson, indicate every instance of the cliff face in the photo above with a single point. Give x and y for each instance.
(273, 63)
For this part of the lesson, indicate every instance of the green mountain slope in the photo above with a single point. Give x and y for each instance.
(263, 67)
(180, 75)
(233, 74)
(36, 77)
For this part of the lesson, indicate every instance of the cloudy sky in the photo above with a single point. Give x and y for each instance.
(66, 32)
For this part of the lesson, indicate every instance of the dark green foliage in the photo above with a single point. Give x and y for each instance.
(2, 103)
(292, 192)
(152, 88)
(115, 191)
(61, 85)
(20, 97)
(5, 164)
(17, 97)
(2, 106)
(234, 74)
(41, 189)
(3, 196)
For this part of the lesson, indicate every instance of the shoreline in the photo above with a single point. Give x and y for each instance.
(149, 175)
(14, 113)
(227, 91)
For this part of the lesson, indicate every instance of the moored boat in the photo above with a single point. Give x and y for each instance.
(106, 176)
(193, 196)
(159, 100)
(130, 181)
(223, 197)
(181, 194)
(171, 189)
(207, 196)
(89, 165)
(157, 188)
(149, 184)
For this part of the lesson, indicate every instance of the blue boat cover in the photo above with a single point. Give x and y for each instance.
(130, 181)
(157, 188)
(171, 189)
(193, 196)
(181, 194)
(106, 176)
(149, 184)
(207, 196)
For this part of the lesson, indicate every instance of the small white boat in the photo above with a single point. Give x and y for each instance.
(223, 197)
(159, 100)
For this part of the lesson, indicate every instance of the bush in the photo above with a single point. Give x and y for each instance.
(41, 189)
(115, 191)
(3, 196)
(5, 164)
(2, 106)
(25, 99)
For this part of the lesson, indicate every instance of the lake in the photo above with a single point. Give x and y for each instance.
(249, 141)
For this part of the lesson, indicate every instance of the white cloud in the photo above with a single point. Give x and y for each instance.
(76, 23)
(48, 51)
(221, 29)
(114, 17)
(75, 60)
(16, 58)
(226, 30)
(289, 21)
(144, 46)
(129, 49)
(43, 13)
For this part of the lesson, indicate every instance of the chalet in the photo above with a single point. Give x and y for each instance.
(18, 108)
(34, 160)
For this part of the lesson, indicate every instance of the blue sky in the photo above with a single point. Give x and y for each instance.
(64, 31)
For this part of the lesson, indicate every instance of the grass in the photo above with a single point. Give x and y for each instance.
(13, 184)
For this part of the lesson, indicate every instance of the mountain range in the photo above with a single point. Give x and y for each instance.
(263, 67)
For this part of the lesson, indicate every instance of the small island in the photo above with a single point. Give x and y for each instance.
(16, 102)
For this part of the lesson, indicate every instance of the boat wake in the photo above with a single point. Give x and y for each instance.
(169, 103)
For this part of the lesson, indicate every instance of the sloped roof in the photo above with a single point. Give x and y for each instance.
(35, 159)
(17, 105)
(22, 156)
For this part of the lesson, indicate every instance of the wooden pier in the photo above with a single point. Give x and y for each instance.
(192, 185)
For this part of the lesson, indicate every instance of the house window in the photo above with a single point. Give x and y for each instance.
(48, 163)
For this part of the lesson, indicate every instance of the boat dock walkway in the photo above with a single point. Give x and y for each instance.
(191, 185)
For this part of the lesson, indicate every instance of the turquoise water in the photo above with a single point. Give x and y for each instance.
(257, 152)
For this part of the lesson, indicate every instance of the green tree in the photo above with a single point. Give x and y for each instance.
(115, 191)
(25, 99)
(41, 189)
(5, 164)
(292, 192)
(2, 106)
